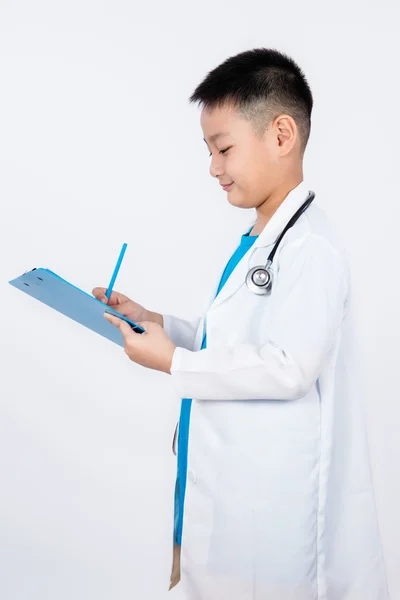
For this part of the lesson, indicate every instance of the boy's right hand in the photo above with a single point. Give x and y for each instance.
(122, 304)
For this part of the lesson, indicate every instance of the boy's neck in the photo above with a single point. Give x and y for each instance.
(272, 203)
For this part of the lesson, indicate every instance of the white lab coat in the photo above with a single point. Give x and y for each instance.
(279, 498)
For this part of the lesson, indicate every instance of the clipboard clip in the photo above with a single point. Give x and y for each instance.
(35, 283)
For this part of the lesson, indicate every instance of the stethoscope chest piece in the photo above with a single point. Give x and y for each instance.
(259, 279)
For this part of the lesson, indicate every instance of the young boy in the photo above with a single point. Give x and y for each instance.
(274, 494)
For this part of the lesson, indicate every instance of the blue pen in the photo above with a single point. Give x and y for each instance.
(114, 275)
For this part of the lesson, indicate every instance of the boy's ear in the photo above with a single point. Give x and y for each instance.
(286, 132)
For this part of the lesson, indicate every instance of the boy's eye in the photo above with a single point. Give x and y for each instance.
(221, 151)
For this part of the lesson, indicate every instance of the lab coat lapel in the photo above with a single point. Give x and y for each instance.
(233, 283)
(267, 238)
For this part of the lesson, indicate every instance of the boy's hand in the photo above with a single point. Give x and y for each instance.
(152, 349)
(122, 304)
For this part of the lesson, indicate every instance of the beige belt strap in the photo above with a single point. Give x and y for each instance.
(176, 567)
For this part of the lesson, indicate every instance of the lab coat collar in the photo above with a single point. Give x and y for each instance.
(267, 237)
(282, 215)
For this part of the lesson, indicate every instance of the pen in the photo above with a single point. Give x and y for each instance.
(114, 275)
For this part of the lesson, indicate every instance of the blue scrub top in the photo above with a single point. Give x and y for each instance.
(184, 421)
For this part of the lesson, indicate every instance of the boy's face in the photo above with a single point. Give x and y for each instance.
(252, 163)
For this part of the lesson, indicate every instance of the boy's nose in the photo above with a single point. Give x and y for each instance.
(215, 170)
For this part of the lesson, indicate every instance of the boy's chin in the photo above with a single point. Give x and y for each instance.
(236, 199)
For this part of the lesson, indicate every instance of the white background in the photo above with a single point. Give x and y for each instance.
(99, 146)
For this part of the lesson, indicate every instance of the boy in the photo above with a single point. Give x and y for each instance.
(274, 495)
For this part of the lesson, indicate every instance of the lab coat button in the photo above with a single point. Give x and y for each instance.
(192, 476)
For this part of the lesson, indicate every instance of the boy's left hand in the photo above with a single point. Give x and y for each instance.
(152, 349)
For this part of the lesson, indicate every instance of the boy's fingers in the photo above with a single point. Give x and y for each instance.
(124, 328)
(112, 319)
(115, 297)
(100, 294)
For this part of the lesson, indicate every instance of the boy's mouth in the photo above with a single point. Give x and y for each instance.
(226, 187)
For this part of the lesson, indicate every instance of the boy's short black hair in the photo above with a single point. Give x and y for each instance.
(261, 84)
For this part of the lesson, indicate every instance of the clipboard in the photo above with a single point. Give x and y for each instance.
(51, 289)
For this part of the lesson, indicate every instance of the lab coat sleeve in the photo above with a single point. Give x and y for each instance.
(180, 331)
(308, 306)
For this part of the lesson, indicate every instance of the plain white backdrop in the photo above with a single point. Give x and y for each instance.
(99, 146)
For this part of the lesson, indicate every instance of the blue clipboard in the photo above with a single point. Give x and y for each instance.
(51, 289)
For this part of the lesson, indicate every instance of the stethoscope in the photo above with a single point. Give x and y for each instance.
(259, 279)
